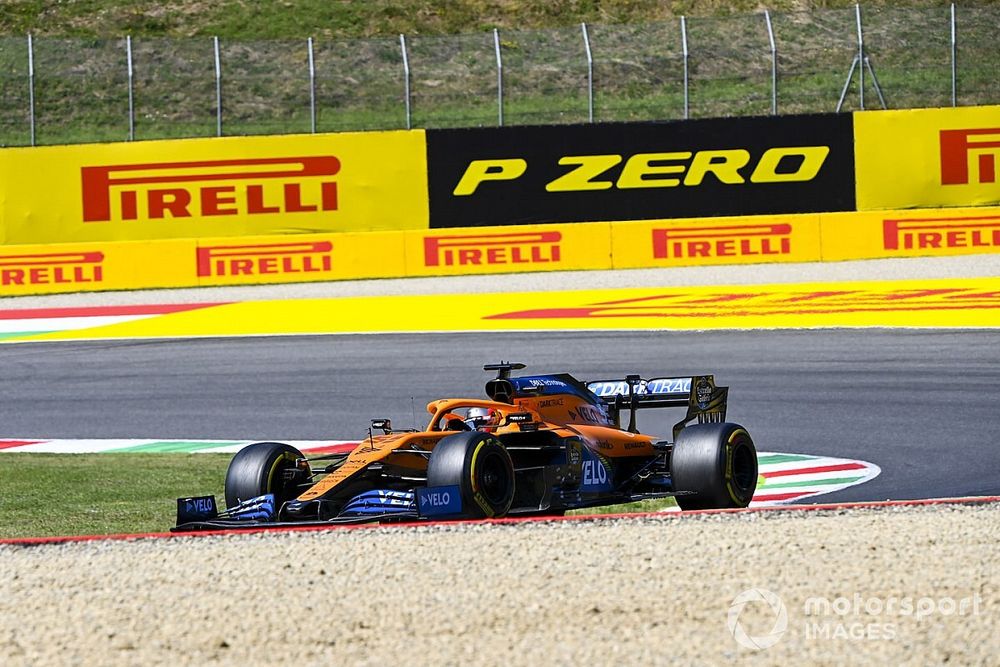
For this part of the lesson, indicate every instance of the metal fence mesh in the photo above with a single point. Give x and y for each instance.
(81, 87)
(359, 85)
(638, 71)
(174, 88)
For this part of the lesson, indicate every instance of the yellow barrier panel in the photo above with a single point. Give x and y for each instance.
(914, 233)
(563, 247)
(300, 258)
(90, 267)
(325, 257)
(927, 157)
(711, 241)
(197, 188)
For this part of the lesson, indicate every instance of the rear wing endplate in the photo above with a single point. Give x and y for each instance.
(705, 401)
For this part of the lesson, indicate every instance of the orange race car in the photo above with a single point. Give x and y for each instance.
(538, 445)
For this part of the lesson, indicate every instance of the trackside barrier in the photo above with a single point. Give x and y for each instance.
(201, 188)
(531, 248)
(927, 157)
(463, 179)
(640, 171)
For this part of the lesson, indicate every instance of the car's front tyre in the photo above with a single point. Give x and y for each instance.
(259, 469)
(480, 466)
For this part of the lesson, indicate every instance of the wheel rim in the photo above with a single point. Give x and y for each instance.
(494, 479)
(744, 468)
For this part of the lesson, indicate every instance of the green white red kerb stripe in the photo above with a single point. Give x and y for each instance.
(783, 478)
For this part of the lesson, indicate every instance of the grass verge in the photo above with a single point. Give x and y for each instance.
(90, 494)
(44, 495)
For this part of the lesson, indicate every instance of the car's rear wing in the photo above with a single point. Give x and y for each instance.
(704, 400)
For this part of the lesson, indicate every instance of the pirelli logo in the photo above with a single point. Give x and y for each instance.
(969, 156)
(268, 259)
(67, 268)
(210, 188)
(493, 249)
(941, 233)
(723, 241)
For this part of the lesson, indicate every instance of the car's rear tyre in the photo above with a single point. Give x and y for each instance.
(718, 463)
(259, 469)
(480, 466)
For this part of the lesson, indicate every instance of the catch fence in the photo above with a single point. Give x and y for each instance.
(69, 90)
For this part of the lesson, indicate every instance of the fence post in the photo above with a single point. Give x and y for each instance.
(131, 98)
(861, 57)
(684, 46)
(218, 89)
(590, 73)
(774, 64)
(496, 44)
(31, 88)
(406, 80)
(954, 59)
(312, 86)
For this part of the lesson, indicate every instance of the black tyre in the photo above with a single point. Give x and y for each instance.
(718, 462)
(260, 468)
(480, 466)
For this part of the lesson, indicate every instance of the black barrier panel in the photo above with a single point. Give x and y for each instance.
(637, 171)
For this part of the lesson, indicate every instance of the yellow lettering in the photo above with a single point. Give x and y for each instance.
(582, 178)
(812, 160)
(480, 171)
(641, 165)
(725, 164)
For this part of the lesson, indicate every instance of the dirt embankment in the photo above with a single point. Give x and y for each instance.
(892, 586)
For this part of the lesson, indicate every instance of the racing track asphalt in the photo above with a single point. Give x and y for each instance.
(918, 403)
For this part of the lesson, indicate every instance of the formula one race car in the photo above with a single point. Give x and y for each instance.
(540, 445)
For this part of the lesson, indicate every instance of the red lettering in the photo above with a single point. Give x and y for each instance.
(293, 199)
(987, 168)
(268, 265)
(174, 200)
(513, 248)
(699, 249)
(130, 208)
(12, 276)
(212, 200)
(928, 240)
(469, 256)
(97, 182)
(38, 275)
(241, 267)
(255, 201)
(955, 147)
(329, 194)
(728, 241)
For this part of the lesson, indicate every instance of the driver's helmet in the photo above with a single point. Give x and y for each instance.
(478, 417)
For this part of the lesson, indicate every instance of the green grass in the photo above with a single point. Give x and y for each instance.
(656, 505)
(363, 18)
(84, 494)
(81, 87)
(44, 495)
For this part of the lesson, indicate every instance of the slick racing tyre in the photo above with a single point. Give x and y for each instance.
(718, 463)
(260, 468)
(480, 466)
